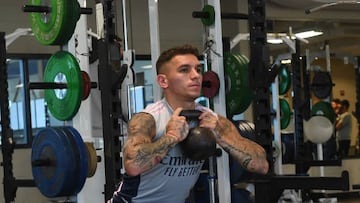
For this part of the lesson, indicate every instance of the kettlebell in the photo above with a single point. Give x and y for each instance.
(200, 143)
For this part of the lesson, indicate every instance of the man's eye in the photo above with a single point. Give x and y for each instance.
(184, 70)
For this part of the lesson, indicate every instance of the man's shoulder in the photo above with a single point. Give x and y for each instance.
(155, 108)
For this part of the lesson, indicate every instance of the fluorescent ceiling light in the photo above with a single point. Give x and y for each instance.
(275, 41)
(146, 66)
(308, 34)
(286, 61)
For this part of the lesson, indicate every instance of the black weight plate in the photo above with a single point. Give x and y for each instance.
(322, 84)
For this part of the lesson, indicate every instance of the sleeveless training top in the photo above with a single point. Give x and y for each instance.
(171, 180)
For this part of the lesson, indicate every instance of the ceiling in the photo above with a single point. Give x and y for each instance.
(339, 20)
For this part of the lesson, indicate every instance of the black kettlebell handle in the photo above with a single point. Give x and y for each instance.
(191, 114)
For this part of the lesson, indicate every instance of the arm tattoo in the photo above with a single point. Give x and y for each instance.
(139, 148)
(242, 154)
(245, 156)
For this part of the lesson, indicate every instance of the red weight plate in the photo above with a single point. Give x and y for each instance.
(87, 85)
(211, 84)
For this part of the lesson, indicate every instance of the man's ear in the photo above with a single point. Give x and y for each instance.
(162, 80)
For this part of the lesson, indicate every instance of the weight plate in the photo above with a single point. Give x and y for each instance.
(211, 84)
(211, 18)
(64, 103)
(82, 158)
(322, 84)
(73, 168)
(52, 180)
(285, 113)
(56, 27)
(74, 16)
(246, 129)
(237, 85)
(92, 159)
(248, 94)
(86, 85)
(323, 108)
(284, 79)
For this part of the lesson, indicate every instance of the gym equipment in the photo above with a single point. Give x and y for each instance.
(238, 91)
(200, 143)
(53, 23)
(92, 159)
(245, 128)
(60, 161)
(323, 108)
(318, 129)
(207, 15)
(210, 84)
(322, 84)
(237, 67)
(284, 79)
(65, 85)
(285, 113)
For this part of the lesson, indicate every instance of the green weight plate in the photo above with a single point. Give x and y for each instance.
(56, 27)
(234, 78)
(247, 91)
(64, 103)
(74, 16)
(247, 97)
(285, 113)
(284, 79)
(52, 180)
(211, 18)
(323, 108)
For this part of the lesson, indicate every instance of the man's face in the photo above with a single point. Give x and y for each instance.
(184, 76)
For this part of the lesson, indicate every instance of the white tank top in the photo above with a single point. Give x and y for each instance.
(173, 178)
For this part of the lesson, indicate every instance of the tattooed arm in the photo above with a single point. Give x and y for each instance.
(140, 152)
(249, 154)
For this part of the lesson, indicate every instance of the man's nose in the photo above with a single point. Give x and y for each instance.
(194, 73)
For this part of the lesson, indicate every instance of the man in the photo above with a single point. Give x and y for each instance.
(156, 169)
(343, 126)
(336, 104)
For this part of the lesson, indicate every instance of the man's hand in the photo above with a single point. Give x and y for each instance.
(177, 127)
(208, 120)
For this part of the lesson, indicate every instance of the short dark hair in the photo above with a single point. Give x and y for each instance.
(345, 103)
(167, 55)
(336, 100)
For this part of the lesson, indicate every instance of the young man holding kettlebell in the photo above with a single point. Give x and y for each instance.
(155, 165)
